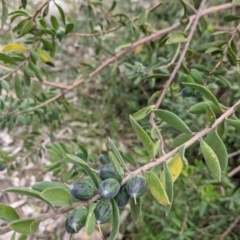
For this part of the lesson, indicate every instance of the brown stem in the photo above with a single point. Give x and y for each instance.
(144, 168)
(153, 37)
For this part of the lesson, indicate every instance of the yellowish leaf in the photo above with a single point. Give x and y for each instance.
(138, 49)
(14, 47)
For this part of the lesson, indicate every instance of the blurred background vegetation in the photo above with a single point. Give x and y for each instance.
(32, 144)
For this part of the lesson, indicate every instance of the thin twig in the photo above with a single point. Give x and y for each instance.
(184, 220)
(190, 6)
(233, 225)
(112, 29)
(184, 51)
(234, 171)
(144, 168)
(234, 154)
(174, 72)
(153, 37)
(44, 82)
(225, 50)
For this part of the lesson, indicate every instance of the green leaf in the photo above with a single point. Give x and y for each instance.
(61, 13)
(230, 18)
(117, 154)
(116, 166)
(182, 154)
(41, 186)
(200, 108)
(143, 136)
(23, 237)
(35, 70)
(57, 197)
(7, 213)
(211, 160)
(5, 85)
(179, 140)
(135, 209)
(234, 123)
(28, 71)
(221, 129)
(91, 219)
(27, 27)
(25, 226)
(54, 22)
(168, 187)
(156, 188)
(85, 167)
(217, 145)
(28, 192)
(142, 18)
(6, 59)
(211, 118)
(69, 28)
(4, 12)
(143, 113)
(24, 3)
(13, 236)
(18, 87)
(173, 120)
(207, 94)
(176, 38)
(197, 76)
(115, 221)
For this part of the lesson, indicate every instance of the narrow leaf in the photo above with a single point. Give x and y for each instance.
(182, 154)
(7, 213)
(176, 38)
(28, 71)
(234, 123)
(85, 167)
(200, 108)
(211, 118)
(143, 136)
(168, 187)
(217, 145)
(91, 219)
(27, 27)
(135, 209)
(230, 18)
(61, 13)
(45, 58)
(143, 113)
(207, 94)
(6, 59)
(197, 76)
(4, 12)
(142, 18)
(211, 160)
(116, 166)
(117, 154)
(14, 47)
(179, 140)
(175, 166)
(173, 120)
(35, 69)
(156, 188)
(115, 221)
(41, 186)
(28, 192)
(57, 197)
(18, 87)
(24, 3)
(69, 28)
(54, 22)
(25, 226)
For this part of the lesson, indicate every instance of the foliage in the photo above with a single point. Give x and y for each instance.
(97, 72)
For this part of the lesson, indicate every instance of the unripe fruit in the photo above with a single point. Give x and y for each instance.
(109, 188)
(76, 220)
(122, 197)
(82, 189)
(108, 171)
(103, 211)
(104, 159)
(136, 186)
